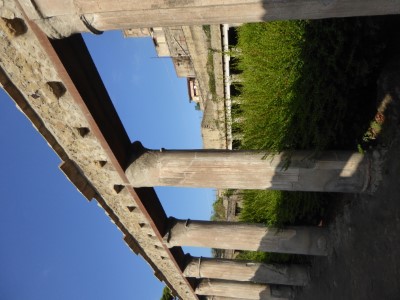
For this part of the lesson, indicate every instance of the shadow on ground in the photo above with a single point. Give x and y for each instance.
(365, 262)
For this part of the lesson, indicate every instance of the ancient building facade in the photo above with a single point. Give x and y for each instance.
(46, 68)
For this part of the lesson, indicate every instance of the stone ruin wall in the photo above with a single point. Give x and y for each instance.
(192, 48)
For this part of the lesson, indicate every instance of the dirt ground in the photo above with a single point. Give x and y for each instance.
(365, 260)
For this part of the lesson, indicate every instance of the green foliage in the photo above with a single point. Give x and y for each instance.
(264, 257)
(207, 31)
(278, 258)
(217, 252)
(167, 295)
(218, 210)
(229, 192)
(302, 80)
(268, 70)
(211, 76)
(305, 85)
(280, 208)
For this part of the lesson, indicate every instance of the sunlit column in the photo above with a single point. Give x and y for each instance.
(338, 171)
(61, 18)
(236, 270)
(243, 236)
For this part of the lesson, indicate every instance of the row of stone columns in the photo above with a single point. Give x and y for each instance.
(330, 171)
(232, 279)
(296, 171)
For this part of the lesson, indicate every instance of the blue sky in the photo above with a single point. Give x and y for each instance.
(55, 244)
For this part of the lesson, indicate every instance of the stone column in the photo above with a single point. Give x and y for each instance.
(243, 236)
(60, 18)
(237, 270)
(242, 290)
(225, 169)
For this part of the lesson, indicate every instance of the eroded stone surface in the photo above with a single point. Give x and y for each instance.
(27, 66)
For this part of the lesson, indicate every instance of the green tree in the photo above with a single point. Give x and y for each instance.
(167, 294)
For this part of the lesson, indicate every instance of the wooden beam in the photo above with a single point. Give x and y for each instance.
(236, 270)
(63, 17)
(243, 236)
(338, 171)
(242, 290)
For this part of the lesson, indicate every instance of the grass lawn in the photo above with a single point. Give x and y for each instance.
(305, 85)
